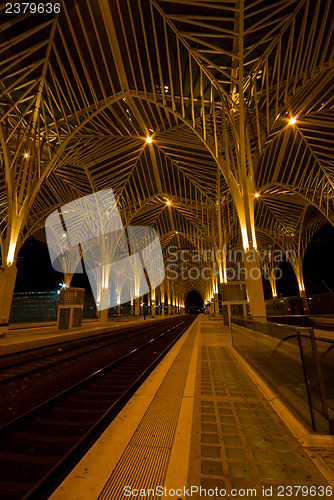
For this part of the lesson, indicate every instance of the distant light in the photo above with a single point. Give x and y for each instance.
(149, 139)
(26, 155)
(176, 232)
(168, 202)
(292, 121)
(257, 195)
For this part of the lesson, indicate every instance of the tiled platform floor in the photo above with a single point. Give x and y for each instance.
(238, 440)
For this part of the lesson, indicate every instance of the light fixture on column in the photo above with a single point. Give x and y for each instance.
(148, 140)
(257, 195)
(168, 202)
(292, 120)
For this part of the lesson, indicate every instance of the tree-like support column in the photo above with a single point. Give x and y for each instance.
(216, 304)
(7, 283)
(137, 305)
(254, 285)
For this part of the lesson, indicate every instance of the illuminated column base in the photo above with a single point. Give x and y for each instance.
(301, 286)
(254, 286)
(118, 309)
(7, 283)
(104, 316)
(273, 288)
(137, 306)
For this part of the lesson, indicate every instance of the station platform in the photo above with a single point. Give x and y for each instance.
(204, 425)
(24, 336)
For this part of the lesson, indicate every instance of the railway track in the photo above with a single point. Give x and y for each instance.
(41, 446)
(14, 366)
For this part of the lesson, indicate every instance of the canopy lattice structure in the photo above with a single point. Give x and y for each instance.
(213, 83)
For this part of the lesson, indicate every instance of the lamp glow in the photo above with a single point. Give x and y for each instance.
(148, 140)
(292, 121)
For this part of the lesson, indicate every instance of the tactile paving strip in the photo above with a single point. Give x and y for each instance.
(238, 440)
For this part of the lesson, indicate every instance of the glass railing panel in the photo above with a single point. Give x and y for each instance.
(314, 378)
(274, 351)
(325, 351)
(325, 348)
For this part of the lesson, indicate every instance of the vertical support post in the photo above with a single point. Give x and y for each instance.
(104, 316)
(7, 284)
(254, 285)
(136, 308)
(216, 304)
(153, 303)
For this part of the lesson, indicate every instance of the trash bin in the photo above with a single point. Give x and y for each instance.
(70, 308)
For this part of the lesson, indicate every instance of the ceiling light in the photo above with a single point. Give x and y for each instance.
(148, 140)
(26, 155)
(168, 202)
(292, 121)
(256, 195)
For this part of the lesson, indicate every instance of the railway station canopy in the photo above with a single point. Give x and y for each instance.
(212, 121)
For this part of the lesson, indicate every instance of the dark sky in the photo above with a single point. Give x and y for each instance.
(35, 272)
(318, 262)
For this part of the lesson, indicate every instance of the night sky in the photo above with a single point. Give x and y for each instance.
(35, 272)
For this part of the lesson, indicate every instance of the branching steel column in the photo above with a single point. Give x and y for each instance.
(245, 205)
